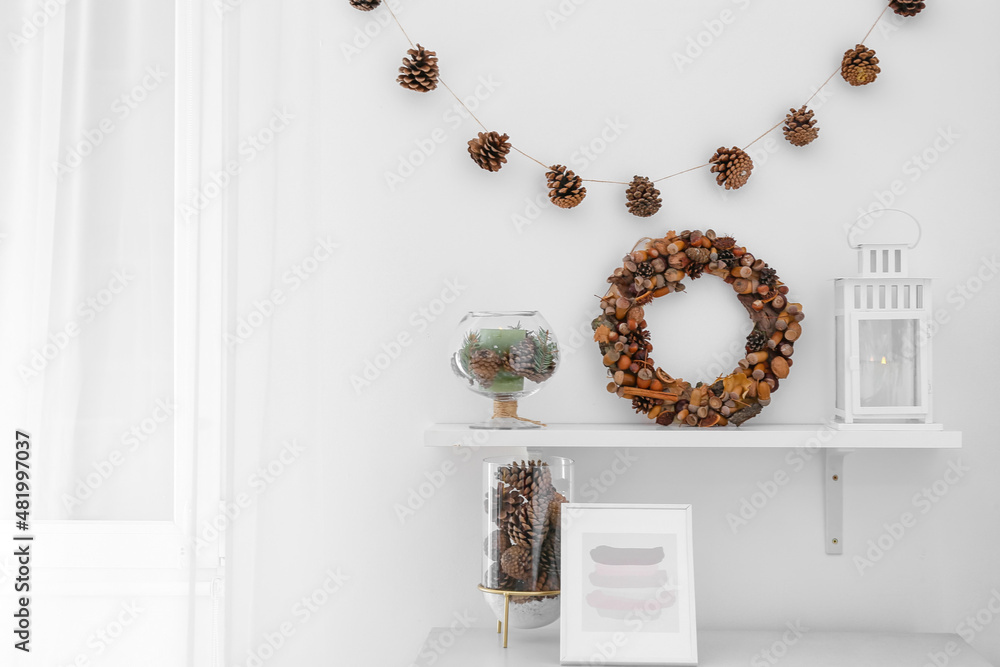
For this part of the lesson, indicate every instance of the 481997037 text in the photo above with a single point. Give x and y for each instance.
(22, 541)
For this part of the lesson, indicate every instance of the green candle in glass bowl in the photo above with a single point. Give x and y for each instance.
(505, 356)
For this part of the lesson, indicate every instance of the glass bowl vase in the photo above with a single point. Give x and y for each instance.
(505, 356)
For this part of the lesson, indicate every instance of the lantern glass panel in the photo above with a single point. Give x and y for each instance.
(839, 365)
(888, 363)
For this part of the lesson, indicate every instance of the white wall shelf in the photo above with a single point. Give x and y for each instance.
(836, 444)
(788, 436)
(446, 647)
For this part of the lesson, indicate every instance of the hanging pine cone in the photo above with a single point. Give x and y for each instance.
(420, 71)
(485, 364)
(733, 167)
(517, 562)
(565, 187)
(907, 7)
(756, 341)
(860, 66)
(800, 127)
(365, 5)
(642, 198)
(489, 150)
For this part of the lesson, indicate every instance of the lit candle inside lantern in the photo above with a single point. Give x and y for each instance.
(500, 341)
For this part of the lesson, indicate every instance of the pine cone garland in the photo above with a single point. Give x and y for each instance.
(907, 7)
(565, 187)
(485, 364)
(642, 198)
(800, 127)
(733, 167)
(860, 66)
(489, 150)
(365, 5)
(420, 71)
(517, 562)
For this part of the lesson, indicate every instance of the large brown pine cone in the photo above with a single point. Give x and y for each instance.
(642, 198)
(485, 364)
(565, 187)
(517, 562)
(733, 167)
(907, 7)
(365, 5)
(420, 71)
(526, 526)
(800, 127)
(860, 66)
(489, 150)
(530, 479)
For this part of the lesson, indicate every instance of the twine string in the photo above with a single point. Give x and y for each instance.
(597, 180)
(508, 410)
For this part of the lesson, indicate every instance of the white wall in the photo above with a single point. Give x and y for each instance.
(450, 221)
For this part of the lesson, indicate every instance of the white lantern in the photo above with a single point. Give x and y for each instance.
(883, 353)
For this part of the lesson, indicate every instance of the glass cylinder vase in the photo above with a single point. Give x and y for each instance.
(521, 529)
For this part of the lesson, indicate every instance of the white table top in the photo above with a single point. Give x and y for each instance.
(479, 647)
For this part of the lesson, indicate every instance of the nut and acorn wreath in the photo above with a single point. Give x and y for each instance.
(658, 269)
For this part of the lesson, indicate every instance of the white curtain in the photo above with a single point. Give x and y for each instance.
(88, 250)
(87, 267)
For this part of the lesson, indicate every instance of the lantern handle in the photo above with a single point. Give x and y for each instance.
(916, 222)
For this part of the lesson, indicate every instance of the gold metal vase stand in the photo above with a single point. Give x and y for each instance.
(507, 595)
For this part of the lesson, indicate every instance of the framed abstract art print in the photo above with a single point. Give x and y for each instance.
(627, 585)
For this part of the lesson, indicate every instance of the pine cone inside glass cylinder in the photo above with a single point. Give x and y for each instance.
(642, 198)
(907, 7)
(505, 499)
(527, 525)
(365, 5)
(860, 66)
(565, 187)
(489, 150)
(800, 128)
(495, 544)
(517, 562)
(733, 167)
(420, 71)
(530, 479)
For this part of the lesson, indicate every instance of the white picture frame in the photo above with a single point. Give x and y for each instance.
(627, 585)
